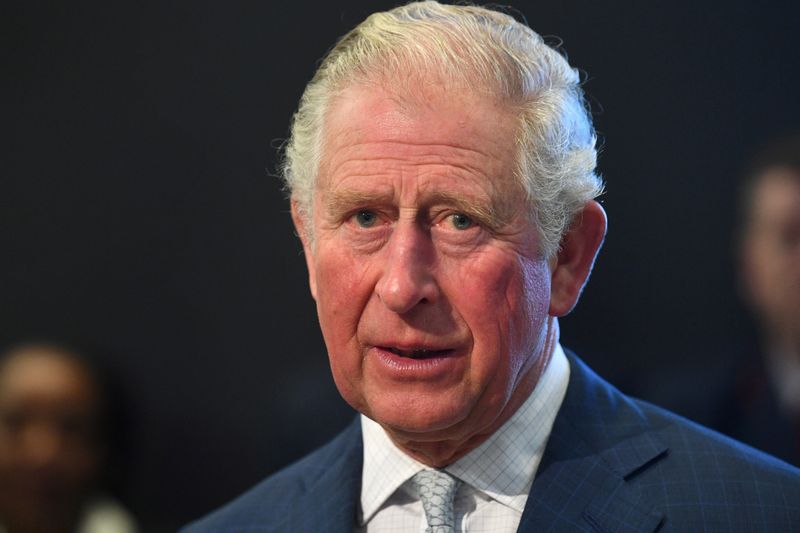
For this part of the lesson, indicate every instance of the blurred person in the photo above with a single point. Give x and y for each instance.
(766, 411)
(53, 445)
(441, 167)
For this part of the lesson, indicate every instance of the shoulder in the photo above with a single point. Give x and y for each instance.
(693, 476)
(707, 479)
(269, 505)
(692, 444)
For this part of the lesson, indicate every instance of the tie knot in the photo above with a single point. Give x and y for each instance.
(437, 490)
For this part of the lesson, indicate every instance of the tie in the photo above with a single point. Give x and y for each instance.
(437, 489)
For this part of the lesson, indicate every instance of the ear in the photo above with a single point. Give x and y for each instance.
(573, 263)
(300, 220)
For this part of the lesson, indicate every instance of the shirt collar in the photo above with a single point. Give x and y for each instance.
(503, 466)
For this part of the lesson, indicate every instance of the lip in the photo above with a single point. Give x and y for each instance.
(431, 363)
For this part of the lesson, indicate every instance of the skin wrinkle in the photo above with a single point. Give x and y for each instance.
(455, 160)
(413, 280)
(439, 162)
(484, 128)
(407, 105)
(495, 216)
(341, 204)
(510, 67)
(441, 453)
(424, 95)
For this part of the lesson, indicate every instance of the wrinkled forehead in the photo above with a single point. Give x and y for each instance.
(419, 115)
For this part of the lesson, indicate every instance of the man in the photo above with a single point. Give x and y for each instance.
(442, 175)
(766, 411)
(52, 445)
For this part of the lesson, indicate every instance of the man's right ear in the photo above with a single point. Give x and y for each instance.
(301, 225)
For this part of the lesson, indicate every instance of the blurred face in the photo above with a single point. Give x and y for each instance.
(47, 444)
(431, 294)
(772, 253)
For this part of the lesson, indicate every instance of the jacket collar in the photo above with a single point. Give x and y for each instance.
(330, 501)
(600, 441)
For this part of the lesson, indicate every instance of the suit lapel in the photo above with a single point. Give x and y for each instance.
(599, 443)
(329, 504)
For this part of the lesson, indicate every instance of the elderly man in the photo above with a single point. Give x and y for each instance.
(442, 175)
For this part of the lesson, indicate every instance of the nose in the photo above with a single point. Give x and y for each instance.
(408, 279)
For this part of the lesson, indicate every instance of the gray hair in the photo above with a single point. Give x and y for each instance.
(471, 47)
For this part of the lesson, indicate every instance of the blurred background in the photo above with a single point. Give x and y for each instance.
(139, 211)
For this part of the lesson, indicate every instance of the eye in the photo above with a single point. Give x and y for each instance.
(366, 219)
(461, 221)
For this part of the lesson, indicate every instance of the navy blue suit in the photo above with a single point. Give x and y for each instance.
(612, 464)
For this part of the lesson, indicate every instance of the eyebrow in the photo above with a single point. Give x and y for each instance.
(343, 201)
(488, 213)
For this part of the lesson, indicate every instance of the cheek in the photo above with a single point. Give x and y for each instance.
(341, 297)
(505, 303)
(343, 290)
(529, 301)
(536, 289)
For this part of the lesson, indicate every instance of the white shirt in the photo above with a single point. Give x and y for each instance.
(497, 475)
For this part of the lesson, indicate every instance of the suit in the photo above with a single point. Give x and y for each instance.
(612, 463)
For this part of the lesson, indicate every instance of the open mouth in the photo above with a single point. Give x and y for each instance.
(419, 354)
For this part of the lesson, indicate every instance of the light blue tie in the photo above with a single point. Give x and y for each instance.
(437, 490)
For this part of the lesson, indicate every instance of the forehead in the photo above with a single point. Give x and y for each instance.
(371, 125)
(777, 191)
(45, 375)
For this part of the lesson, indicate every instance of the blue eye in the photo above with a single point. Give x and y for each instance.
(366, 219)
(461, 221)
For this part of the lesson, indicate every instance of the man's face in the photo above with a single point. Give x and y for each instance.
(772, 252)
(48, 451)
(432, 298)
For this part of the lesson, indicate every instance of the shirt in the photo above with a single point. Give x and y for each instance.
(497, 475)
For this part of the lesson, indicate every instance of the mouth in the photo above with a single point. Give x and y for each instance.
(418, 353)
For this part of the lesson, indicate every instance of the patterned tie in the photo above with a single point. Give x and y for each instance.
(437, 489)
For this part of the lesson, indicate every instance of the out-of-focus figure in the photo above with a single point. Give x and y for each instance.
(53, 445)
(769, 391)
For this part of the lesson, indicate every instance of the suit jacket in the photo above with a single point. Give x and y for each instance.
(612, 463)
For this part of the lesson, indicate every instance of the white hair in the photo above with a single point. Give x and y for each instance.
(464, 46)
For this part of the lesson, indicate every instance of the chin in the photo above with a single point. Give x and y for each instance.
(417, 420)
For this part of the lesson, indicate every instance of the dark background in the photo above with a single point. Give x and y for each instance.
(139, 209)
